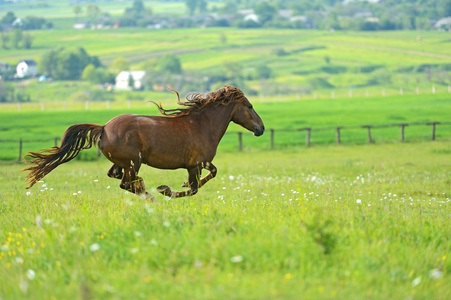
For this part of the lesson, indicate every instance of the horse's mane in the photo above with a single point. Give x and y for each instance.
(196, 102)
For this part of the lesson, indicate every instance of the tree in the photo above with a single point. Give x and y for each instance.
(9, 18)
(88, 73)
(92, 11)
(6, 92)
(169, 63)
(77, 10)
(66, 63)
(191, 5)
(16, 37)
(5, 40)
(95, 75)
(265, 12)
(447, 8)
(27, 40)
(119, 64)
(263, 72)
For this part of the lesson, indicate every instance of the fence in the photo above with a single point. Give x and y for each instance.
(308, 130)
(168, 98)
(339, 129)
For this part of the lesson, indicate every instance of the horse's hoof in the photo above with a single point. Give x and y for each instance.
(165, 190)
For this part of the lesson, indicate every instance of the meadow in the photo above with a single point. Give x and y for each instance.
(329, 222)
(32, 124)
(303, 62)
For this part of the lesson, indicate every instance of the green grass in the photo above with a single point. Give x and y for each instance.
(32, 124)
(347, 222)
(366, 61)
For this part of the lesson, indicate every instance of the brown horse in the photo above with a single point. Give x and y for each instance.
(185, 138)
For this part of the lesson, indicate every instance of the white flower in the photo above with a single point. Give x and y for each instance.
(28, 193)
(236, 259)
(94, 247)
(31, 274)
(359, 201)
(18, 260)
(416, 281)
(231, 177)
(435, 274)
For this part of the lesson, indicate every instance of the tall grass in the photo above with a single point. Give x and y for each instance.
(326, 222)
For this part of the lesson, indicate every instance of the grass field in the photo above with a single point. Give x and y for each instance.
(313, 61)
(346, 222)
(32, 125)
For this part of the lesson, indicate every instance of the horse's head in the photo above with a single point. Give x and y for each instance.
(245, 115)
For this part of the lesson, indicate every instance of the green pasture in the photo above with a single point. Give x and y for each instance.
(338, 222)
(38, 129)
(61, 13)
(302, 61)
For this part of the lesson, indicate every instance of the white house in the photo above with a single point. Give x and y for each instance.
(123, 80)
(443, 24)
(26, 68)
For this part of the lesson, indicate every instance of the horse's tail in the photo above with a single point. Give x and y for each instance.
(76, 138)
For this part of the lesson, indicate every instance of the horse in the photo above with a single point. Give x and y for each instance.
(185, 137)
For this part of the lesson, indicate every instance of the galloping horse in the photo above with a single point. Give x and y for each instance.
(185, 137)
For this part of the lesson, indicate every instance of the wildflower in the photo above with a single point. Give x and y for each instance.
(416, 281)
(28, 193)
(288, 276)
(359, 201)
(198, 264)
(236, 259)
(231, 177)
(94, 247)
(435, 274)
(31, 274)
(19, 260)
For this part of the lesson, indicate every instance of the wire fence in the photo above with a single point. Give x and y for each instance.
(310, 131)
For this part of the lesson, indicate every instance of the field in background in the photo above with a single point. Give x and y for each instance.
(32, 125)
(346, 222)
(302, 61)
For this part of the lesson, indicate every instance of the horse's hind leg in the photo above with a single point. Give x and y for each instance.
(115, 172)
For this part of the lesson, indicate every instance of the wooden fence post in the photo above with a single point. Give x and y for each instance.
(20, 149)
(402, 131)
(338, 135)
(433, 129)
(272, 139)
(368, 127)
(240, 141)
(307, 139)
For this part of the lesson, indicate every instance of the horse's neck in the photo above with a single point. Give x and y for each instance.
(215, 121)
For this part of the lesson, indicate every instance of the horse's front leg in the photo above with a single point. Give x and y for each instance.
(193, 179)
(212, 171)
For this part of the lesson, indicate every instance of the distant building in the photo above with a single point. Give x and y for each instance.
(81, 25)
(123, 80)
(443, 24)
(26, 68)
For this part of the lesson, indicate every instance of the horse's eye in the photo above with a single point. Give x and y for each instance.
(251, 107)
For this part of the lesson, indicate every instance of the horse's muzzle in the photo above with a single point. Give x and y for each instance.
(258, 131)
